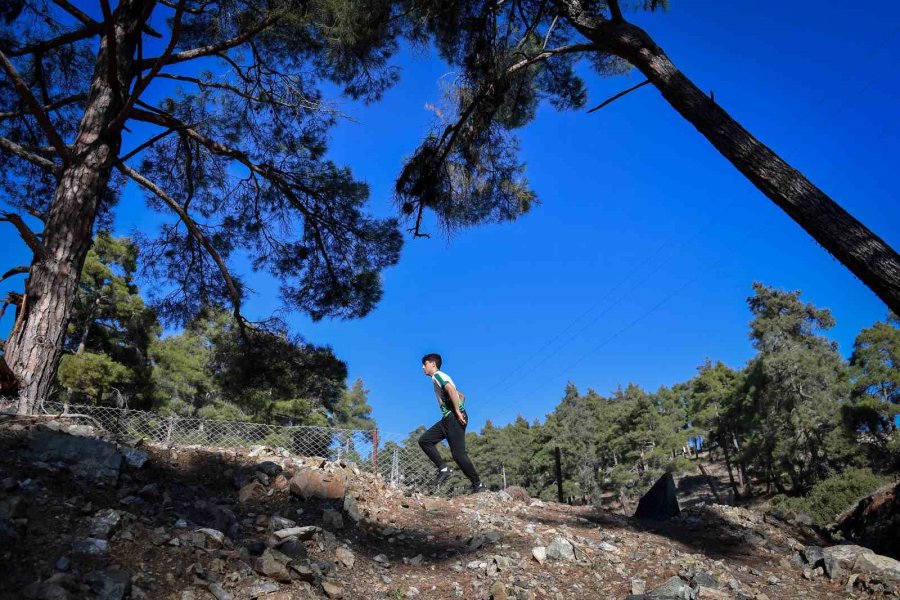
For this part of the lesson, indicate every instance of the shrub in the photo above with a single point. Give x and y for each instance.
(830, 497)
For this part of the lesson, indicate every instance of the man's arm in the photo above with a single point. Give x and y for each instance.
(453, 393)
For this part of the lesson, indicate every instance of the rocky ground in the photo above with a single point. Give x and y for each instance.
(81, 517)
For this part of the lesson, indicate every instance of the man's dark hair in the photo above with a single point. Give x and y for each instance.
(435, 358)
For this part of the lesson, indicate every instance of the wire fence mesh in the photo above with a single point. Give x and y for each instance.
(393, 456)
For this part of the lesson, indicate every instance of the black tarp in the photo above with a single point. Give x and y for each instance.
(660, 502)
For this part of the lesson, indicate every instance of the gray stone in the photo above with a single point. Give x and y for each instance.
(561, 549)
(839, 560)
(813, 555)
(351, 507)
(134, 457)
(702, 578)
(113, 584)
(261, 588)
(63, 564)
(304, 533)
(87, 457)
(883, 568)
(539, 553)
(673, 589)
(638, 586)
(276, 523)
(332, 589)
(273, 564)
(90, 546)
(219, 592)
(213, 537)
(104, 523)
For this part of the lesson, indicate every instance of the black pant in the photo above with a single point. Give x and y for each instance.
(451, 430)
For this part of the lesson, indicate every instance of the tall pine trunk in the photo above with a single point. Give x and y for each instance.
(852, 243)
(33, 351)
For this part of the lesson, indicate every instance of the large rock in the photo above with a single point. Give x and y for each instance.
(874, 521)
(87, 457)
(883, 568)
(660, 502)
(273, 564)
(673, 589)
(839, 560)
(561, 549)
(318, 483)
(105, 523)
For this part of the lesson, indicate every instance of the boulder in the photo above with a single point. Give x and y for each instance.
(273, 564)
(561, 549)
(319, 484)
(874, 521)
(87, 457)
(883, 568)
(660, 502)
(839, 560)
(673, 589)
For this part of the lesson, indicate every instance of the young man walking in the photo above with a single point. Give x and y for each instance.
(451, 427)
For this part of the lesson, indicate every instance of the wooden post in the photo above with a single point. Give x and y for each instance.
(559, 490)
(375, 452)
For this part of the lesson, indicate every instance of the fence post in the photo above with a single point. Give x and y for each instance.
(375, 452)
(169, 430)
(559, 490)
(503, 470)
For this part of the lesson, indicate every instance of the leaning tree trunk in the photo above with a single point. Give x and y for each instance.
(33, 351)
(859, 249)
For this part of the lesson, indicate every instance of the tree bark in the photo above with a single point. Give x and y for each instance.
(34, 350)
(867, 256)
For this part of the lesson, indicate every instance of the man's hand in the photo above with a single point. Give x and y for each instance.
(461, 417)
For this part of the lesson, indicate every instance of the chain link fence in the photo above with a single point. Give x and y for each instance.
(395, 457)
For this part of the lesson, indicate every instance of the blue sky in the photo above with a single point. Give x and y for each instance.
(637, 263)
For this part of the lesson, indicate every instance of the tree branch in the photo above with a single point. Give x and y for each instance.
(147, 144)
(619, 95)
(36, 108)
(112, 65)
(21, 152)
(66, 38)
(196, 233)
(141, 86)
(28, 236)
(13, 272)
(47, 107)
(212, 49)
(615, 10)
(76, 12)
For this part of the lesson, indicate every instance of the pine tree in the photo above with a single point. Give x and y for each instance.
(228, 139)
(511, 56)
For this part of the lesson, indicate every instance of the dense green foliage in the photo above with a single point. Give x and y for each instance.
(792, 420)
(830, 497)
(212, 369)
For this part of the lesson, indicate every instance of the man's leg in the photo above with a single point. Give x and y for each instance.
(430, 439)
(456, 437)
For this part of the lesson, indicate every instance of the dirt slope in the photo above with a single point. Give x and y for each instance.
(205, 523)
